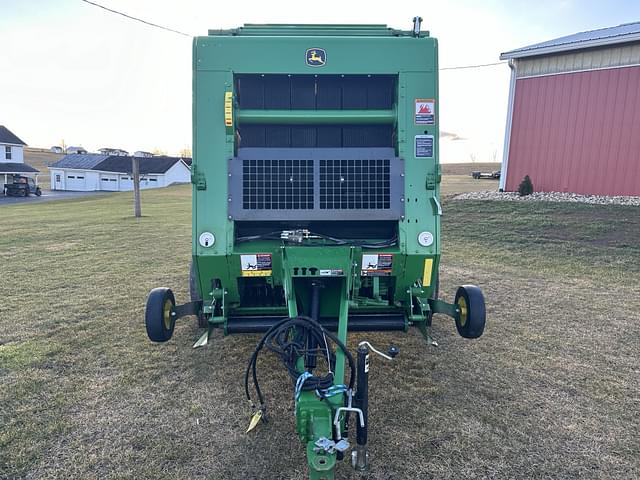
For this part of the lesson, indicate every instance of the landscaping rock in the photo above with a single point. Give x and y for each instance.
(551, 197)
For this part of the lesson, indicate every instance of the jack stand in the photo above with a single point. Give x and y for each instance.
(360, 456)
(360, 459)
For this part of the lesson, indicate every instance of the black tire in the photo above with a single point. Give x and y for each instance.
(157, 315)
(203, 321)
(472, 318)
(25, 193)
(38, 192)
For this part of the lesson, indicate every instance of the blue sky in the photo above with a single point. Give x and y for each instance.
(75, 72)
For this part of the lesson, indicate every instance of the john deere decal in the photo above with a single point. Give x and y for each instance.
(316, 57)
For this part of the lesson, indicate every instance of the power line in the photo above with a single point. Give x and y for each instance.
(137, 19)
(473, 66)
(459, 67)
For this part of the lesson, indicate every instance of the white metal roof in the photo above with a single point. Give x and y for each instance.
(627, 32)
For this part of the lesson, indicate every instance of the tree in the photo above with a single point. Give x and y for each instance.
(185, 152)
(526, 187)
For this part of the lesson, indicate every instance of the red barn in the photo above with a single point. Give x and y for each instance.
(573, 122)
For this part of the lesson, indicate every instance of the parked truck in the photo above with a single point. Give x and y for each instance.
(22, 186)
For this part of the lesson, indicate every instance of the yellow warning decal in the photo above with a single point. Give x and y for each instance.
(426, 274)
(257, 273)
(228, 109)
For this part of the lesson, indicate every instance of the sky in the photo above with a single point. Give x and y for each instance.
(73, 72)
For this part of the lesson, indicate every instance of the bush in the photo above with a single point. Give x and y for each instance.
(526, 187)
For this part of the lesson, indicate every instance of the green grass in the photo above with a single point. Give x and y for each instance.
(550, 390)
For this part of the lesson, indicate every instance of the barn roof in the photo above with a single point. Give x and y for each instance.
(627, 32)
(7, 136)
(16, 167)
(115, 163)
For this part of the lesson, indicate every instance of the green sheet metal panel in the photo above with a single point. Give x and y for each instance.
(350, 50)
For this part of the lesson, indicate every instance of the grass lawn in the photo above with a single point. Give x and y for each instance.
(552, 389)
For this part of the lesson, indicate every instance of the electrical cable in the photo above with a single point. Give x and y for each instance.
(288, 338)
(482, 65)
(335, 241)
(151, 24)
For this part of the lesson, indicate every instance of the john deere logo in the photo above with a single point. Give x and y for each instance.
(316, 57)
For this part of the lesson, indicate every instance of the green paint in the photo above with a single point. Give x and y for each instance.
(316, 117)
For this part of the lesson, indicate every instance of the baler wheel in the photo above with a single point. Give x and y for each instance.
(203, 321)
(157, 316)
(472, 318)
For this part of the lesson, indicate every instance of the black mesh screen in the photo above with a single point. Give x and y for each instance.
(277, 184)
(315, 136)
(311, 92)
(355, 184)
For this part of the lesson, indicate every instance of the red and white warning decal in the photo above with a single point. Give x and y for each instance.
(425, 111)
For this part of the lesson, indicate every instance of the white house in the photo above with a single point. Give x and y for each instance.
(93, 172)
(11, 147)
(76, 150)
(12, 156)
(113, 151)
(141, 153)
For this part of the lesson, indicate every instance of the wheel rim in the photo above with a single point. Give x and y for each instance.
(464, 311)
(166, 314)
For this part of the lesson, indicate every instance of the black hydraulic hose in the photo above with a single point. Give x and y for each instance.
(285, 348)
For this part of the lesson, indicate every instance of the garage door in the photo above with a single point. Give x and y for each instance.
(126, 183)
(75, 182)
(109, 183)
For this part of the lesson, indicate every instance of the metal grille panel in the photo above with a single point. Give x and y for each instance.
(277, 184)
(355, 184)
(299, 184)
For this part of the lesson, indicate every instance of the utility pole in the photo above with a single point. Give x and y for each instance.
(135, 163)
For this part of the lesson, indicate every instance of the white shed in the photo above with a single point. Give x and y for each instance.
(112, 173)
